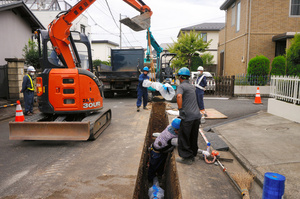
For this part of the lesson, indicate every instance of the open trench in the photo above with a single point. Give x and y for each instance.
(158, 121)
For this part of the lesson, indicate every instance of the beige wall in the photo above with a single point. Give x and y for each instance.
(102, 51)
(15, 33)
(268, 18)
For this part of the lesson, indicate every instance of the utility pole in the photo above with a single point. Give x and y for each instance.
(120, 33)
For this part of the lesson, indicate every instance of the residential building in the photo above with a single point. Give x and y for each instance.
(209, 31)
(255, 27)
(17, 24)
(47, 10)
(101, 49)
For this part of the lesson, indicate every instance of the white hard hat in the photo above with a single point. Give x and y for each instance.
(200, 68)
(30, 69)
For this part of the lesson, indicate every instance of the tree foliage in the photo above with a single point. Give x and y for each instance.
(31, 54)
(196, 62)
(293, 57)
(278, 66)
(98, 62)
(186, 46)
(207, 59)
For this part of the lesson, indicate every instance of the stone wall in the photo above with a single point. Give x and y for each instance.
(15, 77)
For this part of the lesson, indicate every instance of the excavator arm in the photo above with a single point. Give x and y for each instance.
(59, 29)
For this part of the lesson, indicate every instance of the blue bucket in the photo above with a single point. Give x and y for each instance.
(273, 186)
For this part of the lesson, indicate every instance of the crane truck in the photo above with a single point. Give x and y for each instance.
(70, 97)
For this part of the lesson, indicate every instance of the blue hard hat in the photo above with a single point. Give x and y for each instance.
(146, 69)
(176, 123)
(184, 71)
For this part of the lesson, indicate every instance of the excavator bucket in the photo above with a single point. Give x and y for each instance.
(138, 23)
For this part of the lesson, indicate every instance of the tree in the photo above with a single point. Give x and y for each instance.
(278, 66)
(207, 59)
(31, 54)
(196, 62)
(186, 46)
(293, 57)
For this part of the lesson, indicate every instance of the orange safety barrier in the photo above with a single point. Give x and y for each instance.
(19, 113)
(257, 99)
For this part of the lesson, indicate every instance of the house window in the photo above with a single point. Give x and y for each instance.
(233, 15)
(82, 28)
(204, 36)
(295, 8)
(238, 16)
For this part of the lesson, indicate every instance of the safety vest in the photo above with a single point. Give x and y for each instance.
(198, 83)
(32, 87)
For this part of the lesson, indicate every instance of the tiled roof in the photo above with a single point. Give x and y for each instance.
(205, 26)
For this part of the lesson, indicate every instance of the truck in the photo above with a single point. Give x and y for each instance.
(123, 75)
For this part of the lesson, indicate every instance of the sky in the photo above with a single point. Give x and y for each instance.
(169, 16)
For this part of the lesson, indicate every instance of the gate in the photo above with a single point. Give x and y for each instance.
(3, 82)
(220, 86)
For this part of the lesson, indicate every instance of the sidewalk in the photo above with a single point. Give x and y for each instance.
(10, 112)
(266, 143)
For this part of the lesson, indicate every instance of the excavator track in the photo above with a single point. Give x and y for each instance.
(62, 127)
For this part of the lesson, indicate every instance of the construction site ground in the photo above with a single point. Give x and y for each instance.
(107, 168)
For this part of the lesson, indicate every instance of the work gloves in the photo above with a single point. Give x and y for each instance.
(182, 114)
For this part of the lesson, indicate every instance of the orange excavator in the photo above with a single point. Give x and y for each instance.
(70, 96)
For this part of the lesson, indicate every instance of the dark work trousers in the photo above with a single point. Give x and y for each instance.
(156, 164)
(28, 99)
(199, 95)
(188, 138)
(142, 93)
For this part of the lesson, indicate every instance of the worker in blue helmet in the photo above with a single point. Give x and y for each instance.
(142, 92)
(190, 118)
(163, 144)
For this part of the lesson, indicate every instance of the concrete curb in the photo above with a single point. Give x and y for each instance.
(259, 178)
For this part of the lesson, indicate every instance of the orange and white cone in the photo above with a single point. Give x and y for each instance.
(257, 99)
(19, 113)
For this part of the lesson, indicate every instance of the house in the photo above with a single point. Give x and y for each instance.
(255, 27)
(47, 10)
(101, 49)
(17, 24)
(209, 31)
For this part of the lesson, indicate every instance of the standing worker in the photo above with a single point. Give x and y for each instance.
(190, 118)
(142, 92)
(200, 88)
(28, 90)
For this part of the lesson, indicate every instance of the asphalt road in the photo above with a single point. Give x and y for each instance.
(105, 168)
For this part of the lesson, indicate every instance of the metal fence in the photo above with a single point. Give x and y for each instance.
(221, 86)
(285, 88)
(252, 80)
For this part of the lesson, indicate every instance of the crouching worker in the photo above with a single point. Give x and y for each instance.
(163, 144)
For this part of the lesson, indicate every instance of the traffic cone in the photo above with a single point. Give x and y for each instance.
(257, 97)
(19, 113)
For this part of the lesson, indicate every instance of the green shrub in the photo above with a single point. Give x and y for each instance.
(31, 54)
(293, 57)
(196, 62)
(258, 69)
(278, 66)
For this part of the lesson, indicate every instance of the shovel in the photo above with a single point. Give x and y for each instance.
(138, 23)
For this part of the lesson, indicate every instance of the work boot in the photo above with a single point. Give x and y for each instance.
(145, 108)
(188, 161)
(28, 113)
(138, 109)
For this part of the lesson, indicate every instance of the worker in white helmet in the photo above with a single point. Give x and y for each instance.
(28, 90)
(200, 88)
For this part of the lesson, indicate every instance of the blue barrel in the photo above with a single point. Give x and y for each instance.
(273, 186)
